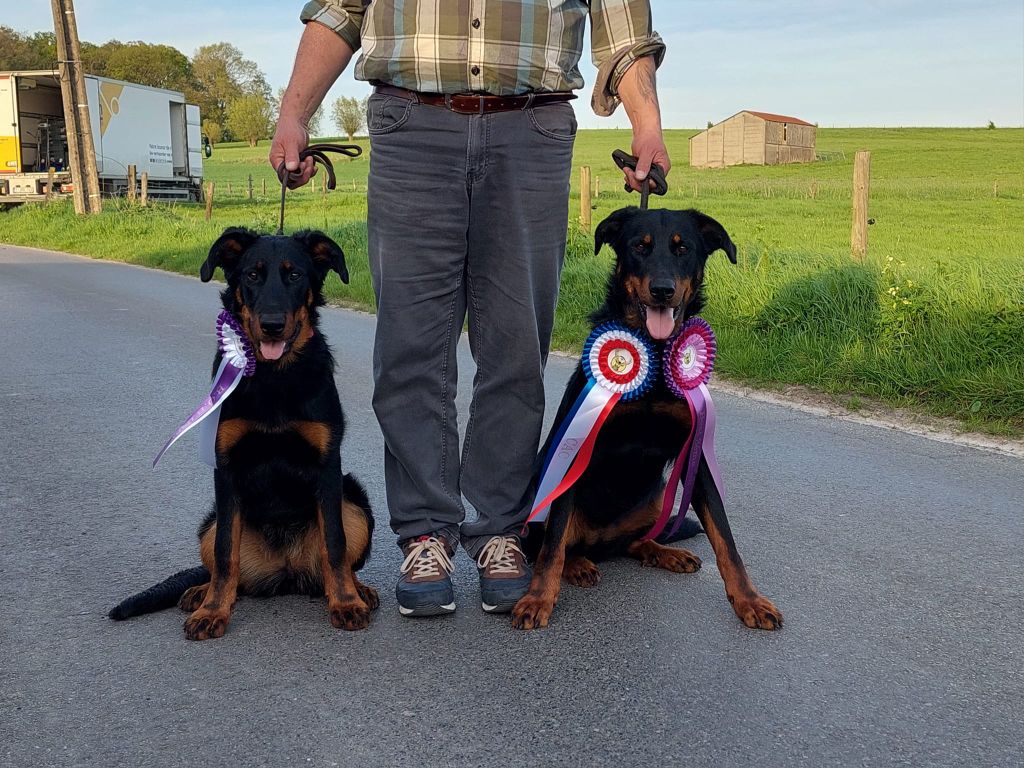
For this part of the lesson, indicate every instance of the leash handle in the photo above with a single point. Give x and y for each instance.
(625, 160)
(317, 152)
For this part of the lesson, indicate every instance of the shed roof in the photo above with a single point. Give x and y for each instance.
(773, 118)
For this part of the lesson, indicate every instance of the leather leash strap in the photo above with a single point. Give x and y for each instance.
(317, 152)
(657, 175)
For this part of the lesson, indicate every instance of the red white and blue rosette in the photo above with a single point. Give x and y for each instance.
(620, 360)
(688, 359)
(238, 360)
(620, 364)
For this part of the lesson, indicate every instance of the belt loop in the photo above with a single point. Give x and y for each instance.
(448, 101)
(480, 100)
(529, 100)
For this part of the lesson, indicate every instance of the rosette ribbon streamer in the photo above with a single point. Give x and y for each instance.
(687, 361)
(619, 365)
(238, 360)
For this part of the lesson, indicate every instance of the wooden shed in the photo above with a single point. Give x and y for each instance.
(754, 138)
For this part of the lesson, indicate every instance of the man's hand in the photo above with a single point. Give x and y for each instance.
(640, 98)
(649, 148)
(322, 56)
(290, 138)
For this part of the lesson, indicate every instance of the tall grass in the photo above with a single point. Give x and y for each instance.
(932, 319)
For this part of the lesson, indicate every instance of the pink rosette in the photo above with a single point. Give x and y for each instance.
(690, 356)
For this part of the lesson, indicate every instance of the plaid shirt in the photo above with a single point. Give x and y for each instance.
(501, 47)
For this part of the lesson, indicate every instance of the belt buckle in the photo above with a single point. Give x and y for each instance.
(458, 108)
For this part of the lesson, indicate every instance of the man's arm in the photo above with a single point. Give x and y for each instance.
(640, 98)
(626, 52)
(322, 56)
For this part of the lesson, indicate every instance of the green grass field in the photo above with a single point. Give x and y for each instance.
(932, 319)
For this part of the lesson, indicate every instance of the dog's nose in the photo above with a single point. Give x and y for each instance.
(272, 324)
(662, 290)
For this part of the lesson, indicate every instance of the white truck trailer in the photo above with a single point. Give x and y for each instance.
(151, 128)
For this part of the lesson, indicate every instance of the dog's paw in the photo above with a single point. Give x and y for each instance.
(193, 598)
(206, 625)
(349, 616)
(650, 553)
(532, 612)
(757, 612)
(580, 572)
(369, 595)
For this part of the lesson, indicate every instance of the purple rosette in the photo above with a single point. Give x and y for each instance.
(234, 344)
(689, 357)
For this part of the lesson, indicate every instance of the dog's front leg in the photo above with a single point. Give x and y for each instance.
(211, 618)
(754, 610)
(534, 608)
(346, 608)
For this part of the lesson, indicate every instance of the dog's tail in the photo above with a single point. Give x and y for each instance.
(687, 530)
(160, 596)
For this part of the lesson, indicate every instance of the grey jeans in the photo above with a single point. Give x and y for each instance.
(467, 220)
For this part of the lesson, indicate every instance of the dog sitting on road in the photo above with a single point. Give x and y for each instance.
(656, 285)
(285, 519)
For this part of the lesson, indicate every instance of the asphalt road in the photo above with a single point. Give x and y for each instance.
(896, 560)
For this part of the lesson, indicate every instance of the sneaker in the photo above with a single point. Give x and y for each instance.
(425, 586)
(504, 574)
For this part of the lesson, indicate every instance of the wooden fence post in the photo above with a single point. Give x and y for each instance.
(144, 189)
(263, 183)
(597, 187)
(861, 195)
(49, 183)
(250, 186)
(585, 197)
(209, 199)
(131, 183)
(229, 187)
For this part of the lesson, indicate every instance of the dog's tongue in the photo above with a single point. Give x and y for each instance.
(272, 350)
(659, 322)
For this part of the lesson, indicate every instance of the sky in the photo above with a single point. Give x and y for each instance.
(833, 62)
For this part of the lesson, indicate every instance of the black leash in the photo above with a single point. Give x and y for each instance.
(657, 175)
(316, 151)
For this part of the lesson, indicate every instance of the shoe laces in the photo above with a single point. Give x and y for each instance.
(499, 555)
(426, 557)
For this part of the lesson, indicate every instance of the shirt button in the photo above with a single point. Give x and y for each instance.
(476, 23)
(475, 70)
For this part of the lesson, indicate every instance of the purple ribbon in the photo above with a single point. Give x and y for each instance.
(224, 384)
(700, 443)
(238, 360)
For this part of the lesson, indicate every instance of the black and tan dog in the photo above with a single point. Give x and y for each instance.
(285, 519)
(655, 286)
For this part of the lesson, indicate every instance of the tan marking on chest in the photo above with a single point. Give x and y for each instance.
(231, 431)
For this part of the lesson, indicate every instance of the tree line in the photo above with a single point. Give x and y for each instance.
(234, 98)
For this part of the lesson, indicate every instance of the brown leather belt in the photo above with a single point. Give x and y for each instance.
(475, 104)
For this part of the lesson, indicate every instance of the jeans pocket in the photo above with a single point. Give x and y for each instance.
(385, 114)
(555, 121)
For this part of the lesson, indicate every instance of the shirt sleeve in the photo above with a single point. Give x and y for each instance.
(621, 32)
(343, 16)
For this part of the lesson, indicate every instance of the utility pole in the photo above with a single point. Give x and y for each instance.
(81, 150)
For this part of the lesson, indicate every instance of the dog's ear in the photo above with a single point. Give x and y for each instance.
(326, 253)
(714, 235)
(225, 252)
(608, 231)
